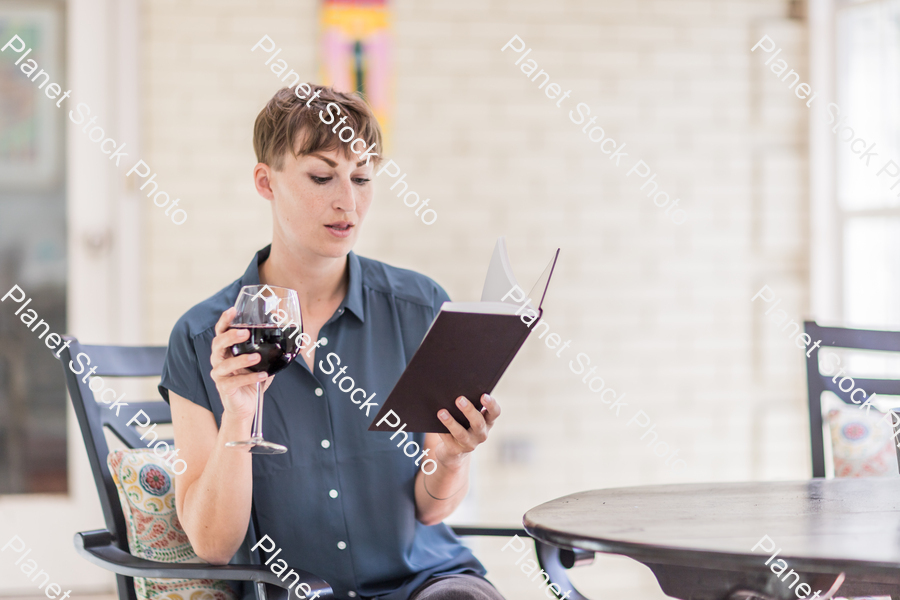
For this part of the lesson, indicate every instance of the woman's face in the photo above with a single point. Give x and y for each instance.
(318, 200)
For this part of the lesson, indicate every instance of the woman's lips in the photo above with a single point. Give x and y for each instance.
(340, 229)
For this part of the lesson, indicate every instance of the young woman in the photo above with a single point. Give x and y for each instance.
(343, 503)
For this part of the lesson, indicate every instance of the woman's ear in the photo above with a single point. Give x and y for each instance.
(262, 178)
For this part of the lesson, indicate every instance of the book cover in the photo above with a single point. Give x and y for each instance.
(465, 351)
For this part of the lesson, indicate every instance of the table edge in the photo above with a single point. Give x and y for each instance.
(688, 557)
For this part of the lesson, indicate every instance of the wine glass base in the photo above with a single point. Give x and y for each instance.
(258, 446)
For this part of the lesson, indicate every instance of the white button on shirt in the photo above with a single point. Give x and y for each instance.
(333, 493)
(326, 443)
(351, 594)
(341, 545)
(324, 341)
(319, 391)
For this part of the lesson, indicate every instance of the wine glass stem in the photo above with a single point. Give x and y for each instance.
(257, 420)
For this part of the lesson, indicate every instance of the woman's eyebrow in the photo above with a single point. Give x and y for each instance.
(326, 160)
(331, 163)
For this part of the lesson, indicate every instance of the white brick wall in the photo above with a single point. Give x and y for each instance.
(663, 309)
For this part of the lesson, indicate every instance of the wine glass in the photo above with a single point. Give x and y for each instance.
(268, 312)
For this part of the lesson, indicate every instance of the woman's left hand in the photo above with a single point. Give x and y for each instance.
(460, 442)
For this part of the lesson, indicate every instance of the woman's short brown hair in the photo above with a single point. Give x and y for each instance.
(289, 123)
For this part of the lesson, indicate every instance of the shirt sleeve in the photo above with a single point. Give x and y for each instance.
(417, 317)
(181, 371)
(440, 296)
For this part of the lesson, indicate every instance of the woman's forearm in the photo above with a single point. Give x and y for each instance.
(217, 505)
(439, 494)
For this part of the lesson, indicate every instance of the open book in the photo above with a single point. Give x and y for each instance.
(466, 350)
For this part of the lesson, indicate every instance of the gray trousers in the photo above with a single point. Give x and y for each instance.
(464, 586)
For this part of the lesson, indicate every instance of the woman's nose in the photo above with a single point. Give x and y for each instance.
(346, 196)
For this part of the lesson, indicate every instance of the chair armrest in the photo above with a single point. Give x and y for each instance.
(99, 548)
(464, 530)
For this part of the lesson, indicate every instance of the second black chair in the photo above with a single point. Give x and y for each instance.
(818, 383)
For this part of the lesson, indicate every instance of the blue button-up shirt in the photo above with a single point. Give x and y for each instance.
(340, 503)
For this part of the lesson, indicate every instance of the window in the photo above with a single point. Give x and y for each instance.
(867, 86)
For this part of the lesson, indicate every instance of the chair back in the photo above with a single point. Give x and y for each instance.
(817, 383)
(93, 416)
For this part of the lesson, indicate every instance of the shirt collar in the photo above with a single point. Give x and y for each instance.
(251, 275)
(353, 301)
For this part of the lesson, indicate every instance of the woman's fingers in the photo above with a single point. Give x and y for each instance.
(229, 372)
(477, 426)
(480, 423)
(226, 337)
(232, 384)
(223, 342)
(231, 366)
(225, 320)
(459, 433)
(491, 409)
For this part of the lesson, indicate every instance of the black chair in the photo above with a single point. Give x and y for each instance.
(108, 548)
(837, 337)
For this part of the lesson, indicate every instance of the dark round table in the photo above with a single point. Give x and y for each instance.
(697, 538)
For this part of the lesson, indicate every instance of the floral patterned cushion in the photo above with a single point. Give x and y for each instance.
(862, 445)
(147, 493)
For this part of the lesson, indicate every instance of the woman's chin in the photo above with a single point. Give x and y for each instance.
(336, 247)
(322, 244)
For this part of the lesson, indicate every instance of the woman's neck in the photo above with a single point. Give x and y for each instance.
(320, 282)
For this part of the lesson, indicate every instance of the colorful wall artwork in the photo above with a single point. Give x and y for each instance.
(356, 51)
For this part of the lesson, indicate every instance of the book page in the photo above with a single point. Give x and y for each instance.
(539, 291)
(485, 308)
(500, 278)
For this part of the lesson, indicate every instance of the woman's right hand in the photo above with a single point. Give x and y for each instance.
(236, 385)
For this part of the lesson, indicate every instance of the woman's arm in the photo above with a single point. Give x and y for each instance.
(214, 495)
(439, 494)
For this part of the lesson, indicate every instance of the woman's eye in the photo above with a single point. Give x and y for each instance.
(320, 180)
(361, 180)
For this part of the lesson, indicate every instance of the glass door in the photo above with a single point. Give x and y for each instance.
(33, 251)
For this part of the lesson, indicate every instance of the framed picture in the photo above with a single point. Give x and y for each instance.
(30, 122)
(356, 51)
